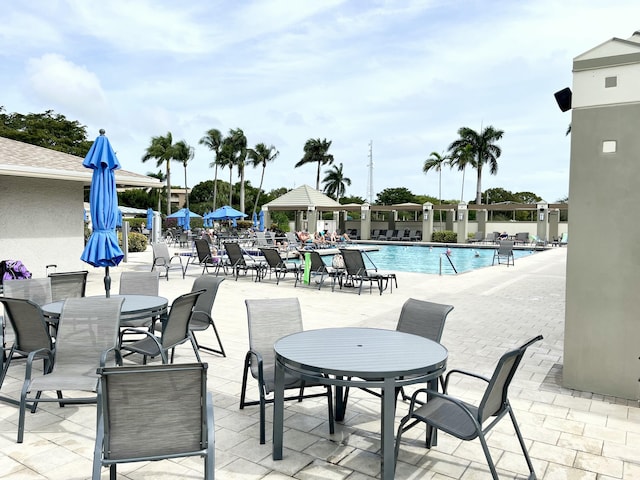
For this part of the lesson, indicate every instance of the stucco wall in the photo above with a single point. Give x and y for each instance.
(41, 223)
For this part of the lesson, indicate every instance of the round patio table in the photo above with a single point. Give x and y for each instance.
(134, 309)
(357, 357)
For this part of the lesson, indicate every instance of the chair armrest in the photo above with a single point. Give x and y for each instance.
(447, 398)
(103, 356)
(32, 356)
(462, 372)
(149, 334)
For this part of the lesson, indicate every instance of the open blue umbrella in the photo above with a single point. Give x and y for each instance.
(180, 215)
(226, 213)
(149, 218)
(102, 249)
(261, 223)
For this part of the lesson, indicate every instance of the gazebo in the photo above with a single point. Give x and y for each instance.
(307, 202)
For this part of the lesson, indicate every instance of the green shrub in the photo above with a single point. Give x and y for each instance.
(446, 236)
(137, 242)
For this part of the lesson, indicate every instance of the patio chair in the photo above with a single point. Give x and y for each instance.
(202, 317)
(261, 239)
(491, 237)
(68, 285)
(129, 428)
(416, 235)
(503, 253)
(238, 262)
(205, 257)
(162, 259)
(464, 420)
(270, 320)
(357, 273)
(139, 283)
(31, 334)
(277, 265)
(175, 331)
(317, 267)
(395, 235)
(382, 235)
(38, 290)
(87, 337)
(477, 237)
(521, 237)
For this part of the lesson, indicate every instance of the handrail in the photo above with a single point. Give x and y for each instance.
(450, 263)
(369, 258)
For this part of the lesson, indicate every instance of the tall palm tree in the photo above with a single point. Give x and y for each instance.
(460, 158)
(213, 141)
(184, 153)
(334, 182)
(260, 155)
(234, 153)
(484, 148)
(436, 161)
(316, 151)
(161, 148)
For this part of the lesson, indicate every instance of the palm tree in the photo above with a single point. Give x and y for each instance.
(484, 149)
(234, 153)
(183, 153)
(260, 155)
(161, 148)
(213, 141)
(435, 161)
(460, 158)
(316, 150)
(334, 182)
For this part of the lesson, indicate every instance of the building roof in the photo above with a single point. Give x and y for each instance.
(21, 159)
(301, 198)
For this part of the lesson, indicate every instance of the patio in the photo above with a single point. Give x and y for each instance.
(570, 434)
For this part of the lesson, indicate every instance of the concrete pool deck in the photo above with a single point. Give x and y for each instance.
(570, 434)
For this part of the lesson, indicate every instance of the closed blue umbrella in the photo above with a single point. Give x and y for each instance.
(186, 223)
(149, 218)
(119, 220)
(255, 220)
(102, 249)
(261, 223)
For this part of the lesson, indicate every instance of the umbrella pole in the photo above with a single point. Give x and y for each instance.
(107, 282)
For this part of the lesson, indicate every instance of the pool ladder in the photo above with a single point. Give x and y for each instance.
(450, 263)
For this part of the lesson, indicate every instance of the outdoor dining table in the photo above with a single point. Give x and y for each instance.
(134, 307)
(357, 357)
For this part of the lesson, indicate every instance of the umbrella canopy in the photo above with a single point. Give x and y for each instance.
(102, 249)
(226, 213)
(180, 214)
(149, 218)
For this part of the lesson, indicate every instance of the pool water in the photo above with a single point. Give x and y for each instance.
(423, 259)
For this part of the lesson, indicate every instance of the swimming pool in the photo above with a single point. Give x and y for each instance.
(423, 259)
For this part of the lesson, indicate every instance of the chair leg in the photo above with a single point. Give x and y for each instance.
(262, 421)
(243, 392)
(487, 454)
(195, 347)
(522, 445)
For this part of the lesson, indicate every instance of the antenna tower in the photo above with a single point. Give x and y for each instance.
(370, 179)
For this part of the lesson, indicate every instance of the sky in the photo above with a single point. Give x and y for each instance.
(387, 81)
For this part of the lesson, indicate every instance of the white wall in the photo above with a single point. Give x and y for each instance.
(41, 223)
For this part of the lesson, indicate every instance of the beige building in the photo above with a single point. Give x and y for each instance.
(602, 328)
(41, 205)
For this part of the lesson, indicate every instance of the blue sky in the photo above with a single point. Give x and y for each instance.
(404, 75)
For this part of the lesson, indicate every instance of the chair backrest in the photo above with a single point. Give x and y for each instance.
(291, 238)
(522, 237)
(423, 318)
(205, 301)
(87, 327)
(272, 256)
(160, 250)
(29, 326)
(270, 319)
(317, 264)
(38, 290)
(234, 252)
(494, 399)
(505, 247)
(353, 261)
(261, 239)
(131, 398)
(176, 328)
(140, 283)
(68, 285)
(203, 250)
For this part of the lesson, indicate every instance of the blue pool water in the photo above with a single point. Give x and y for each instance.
(422, 259)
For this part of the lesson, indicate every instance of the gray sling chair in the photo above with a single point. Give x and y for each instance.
(356, 272)
(504, 252)
(237, 261)
(139, 283)
(162, 259)
(205, 259)
(466, 421)
(87, 338)
(68, 285)
(129, 427)
(417, 317)
(277, 265)
(31, 334)
(175, 331)
(270, 320)
(202, 316)
(317, 267)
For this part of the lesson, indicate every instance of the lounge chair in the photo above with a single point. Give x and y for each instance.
(87, 332)
(477, 237)
(466, 421)
(162, 259)
(130, 428)
(270, 320)
(521, 237)
(237, 261)
(382, 235)
(490, 237)
(175, 331)
(202, 316)
(504, 253)
(261, 239)
(416, 235)
(316, 267)
(356, 272)
(68, 285)
(277, 265)
(205, 257)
